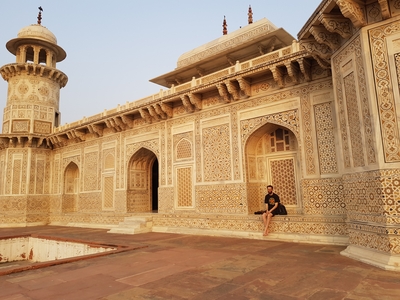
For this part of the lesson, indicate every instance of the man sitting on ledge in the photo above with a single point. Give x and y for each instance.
(271, 202)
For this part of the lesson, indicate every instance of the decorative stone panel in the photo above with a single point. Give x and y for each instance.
(223, 199)
(217, 153)
(383, 83)
(90, 171)
(353, 119)
(20, 126)
(56, 175)
(108, 192)
(89, 202)
(41, 127)
(183, 145)
(350, 60)
(373, 209)
(165, 199)
(184, 188)
(323, 197)
(6, 127)
(283, 178)
(325, 138)
(324, 226)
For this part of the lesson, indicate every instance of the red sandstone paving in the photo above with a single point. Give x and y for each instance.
(156, 273)
(16, 297)
(92, 287)
(8, 289)
(173, 266)
(328, 294)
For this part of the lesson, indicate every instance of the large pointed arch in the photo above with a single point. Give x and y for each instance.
(272, 157)
(143, 182)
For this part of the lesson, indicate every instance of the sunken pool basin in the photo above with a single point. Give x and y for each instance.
(27, 252)
(36, 249)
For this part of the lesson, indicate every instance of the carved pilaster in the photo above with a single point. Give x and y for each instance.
(159, 111)
(354, 11)
(293, 71)
(323, 36)
(245, 86)
(167, 109)
(153, 113)
(145, 115)
(338, 24)
(233, 89)
(305, 68)
(278, 76)
(195, 99)
(223, 92)
(186, 103)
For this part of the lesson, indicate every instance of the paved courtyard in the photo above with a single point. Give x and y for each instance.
(174, 266)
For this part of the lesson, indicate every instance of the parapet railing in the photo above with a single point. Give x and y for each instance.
(269, 57)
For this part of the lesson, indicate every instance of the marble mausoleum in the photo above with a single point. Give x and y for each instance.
(317, 117)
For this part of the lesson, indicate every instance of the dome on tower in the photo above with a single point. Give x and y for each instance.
(37, 31)
(36, 34)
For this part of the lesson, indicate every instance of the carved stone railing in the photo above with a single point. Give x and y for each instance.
(154, 108)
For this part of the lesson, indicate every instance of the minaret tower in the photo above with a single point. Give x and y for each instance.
(34, 84)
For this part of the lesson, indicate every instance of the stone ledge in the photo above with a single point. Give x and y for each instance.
(286, 237)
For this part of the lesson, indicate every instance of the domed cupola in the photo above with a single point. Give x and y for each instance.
(34, 83)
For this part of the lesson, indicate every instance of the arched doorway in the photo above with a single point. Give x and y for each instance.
(272, 158)
(71, 188)
(143, 178)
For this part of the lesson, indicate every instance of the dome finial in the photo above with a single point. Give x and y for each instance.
(39, 18)
(250, 14)
(224, 27)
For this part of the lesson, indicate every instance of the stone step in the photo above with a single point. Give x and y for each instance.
(133, 225)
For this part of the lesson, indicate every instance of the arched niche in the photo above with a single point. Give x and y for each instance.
(71, 188)
(143, 182)
(272, 157)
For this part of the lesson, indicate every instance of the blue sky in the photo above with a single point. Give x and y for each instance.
(115, 47)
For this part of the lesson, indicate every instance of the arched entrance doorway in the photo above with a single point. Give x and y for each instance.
(272, 158)
(71, 188)
(143, 178)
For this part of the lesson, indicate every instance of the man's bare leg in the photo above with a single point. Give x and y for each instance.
(267, 220)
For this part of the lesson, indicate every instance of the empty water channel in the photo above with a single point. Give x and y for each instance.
(26, 252)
